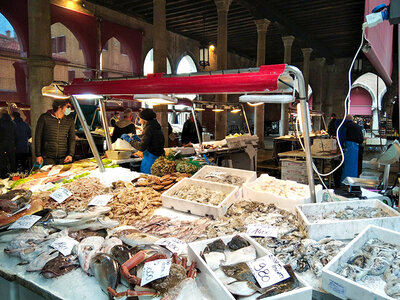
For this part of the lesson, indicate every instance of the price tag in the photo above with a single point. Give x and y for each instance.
(268, 270)
(172, 244)
(262, 230)
(100, 200)
(64, 245)
(54, 171)
(46, 187)
(153, 270)
(60, 194)
(25, 222)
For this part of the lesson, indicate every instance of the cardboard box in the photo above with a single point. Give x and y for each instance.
(323, 145)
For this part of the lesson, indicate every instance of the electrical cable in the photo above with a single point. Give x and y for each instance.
(347, 102)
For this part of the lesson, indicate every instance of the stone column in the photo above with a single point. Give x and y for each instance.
(319, 91)
(262, 26)
(287, 59)
(306, 66)
(160, 55)
(222, 62)
(40, 62)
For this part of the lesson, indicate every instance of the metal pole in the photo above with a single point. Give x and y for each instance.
(245, 118)
(87, 133)
(105, 124)
(197, 126)
(94, 117)
(304, 108)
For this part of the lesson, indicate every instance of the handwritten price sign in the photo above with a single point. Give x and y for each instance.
(172, 244)
(100, 200)
(64, 245)
(25, 222)
(262, 230)
(268, 270)
(153, 270)
(61, 194)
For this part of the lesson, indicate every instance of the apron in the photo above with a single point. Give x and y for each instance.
(350, 165)
(147, 162)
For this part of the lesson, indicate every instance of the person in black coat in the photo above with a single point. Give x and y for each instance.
(7, 144)
(23, 134)
(332, 126)
(152, 141)
(55, 135)
(124, 126)
(189, 132)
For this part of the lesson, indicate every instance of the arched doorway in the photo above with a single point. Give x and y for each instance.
(13, 74)
(148, 65)
(115, 60)
(66, 50)
(366, 96)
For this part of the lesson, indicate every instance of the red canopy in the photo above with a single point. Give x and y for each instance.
(265, 79)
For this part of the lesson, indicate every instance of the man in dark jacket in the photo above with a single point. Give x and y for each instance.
(332, 126)
(189, 132)
(55, 135)
(23, 134)
(152, 142)
(124, 126)
(7, 143)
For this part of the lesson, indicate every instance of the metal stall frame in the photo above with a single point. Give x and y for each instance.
(265, 79)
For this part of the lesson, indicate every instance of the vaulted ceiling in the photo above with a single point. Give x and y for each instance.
(331, 28)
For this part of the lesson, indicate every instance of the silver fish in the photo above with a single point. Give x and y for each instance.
(106, 271)
(38, 263)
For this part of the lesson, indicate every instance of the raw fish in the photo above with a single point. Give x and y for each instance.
(87, 248)
(106, 271)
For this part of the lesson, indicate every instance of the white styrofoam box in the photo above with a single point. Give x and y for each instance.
(290, 163)
(233, 194)
(295, 177)
(343, 229)
(249, 193)
(303, 292)
(247, 175)
(345, 288)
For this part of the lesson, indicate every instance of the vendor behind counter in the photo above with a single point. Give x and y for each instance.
(152, 141)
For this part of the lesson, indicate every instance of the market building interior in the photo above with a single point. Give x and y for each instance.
(224, 84)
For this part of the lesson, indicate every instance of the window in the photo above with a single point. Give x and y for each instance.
(58, 44)
(105, 48)
(149, 62)
(71, 75)
(124, 51)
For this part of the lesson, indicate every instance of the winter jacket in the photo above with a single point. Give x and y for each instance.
(7, 133)
(123, 127)
(55, 138)
(152, 139)
(22, 136)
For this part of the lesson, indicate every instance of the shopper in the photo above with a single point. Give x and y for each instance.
(55, 135)
(23, 134)
(152, 142)
(7, 144)
(353, 149)
(332, 126)
(189, 132)
(125, 126)
(115, 119)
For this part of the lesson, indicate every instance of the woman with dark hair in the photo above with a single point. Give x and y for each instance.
(152, 142)
(55, 135)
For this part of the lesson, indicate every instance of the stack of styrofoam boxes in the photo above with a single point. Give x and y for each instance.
(295, 170)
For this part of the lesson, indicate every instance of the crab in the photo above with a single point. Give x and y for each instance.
(178, 272)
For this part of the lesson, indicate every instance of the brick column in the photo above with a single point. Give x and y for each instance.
(40, 62)
(160, 55)
(287, 43)
(262, 26)
(222, 62)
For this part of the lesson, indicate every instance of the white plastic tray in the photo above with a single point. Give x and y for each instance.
(284, 203)
(247, 175)
(304, 292)
(343, 229)
(346, 288)
(233, 194)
